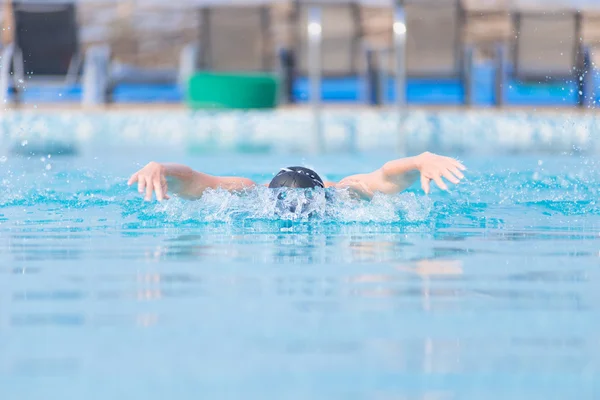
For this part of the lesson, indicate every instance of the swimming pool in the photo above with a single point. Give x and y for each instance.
(487, 292)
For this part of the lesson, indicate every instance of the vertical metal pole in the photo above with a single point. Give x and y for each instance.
(372, 78)
(188, 58)
(95, 75)
(500, 75)
(91, 87)
(314, 31)
(400, 67)
(468, 76)
(588, 80)
(5, 76)
(400, 53)
(384, 72)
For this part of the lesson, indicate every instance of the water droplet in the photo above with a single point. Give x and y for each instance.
(3, 159)
(24, 143)
(540, 162)
(48, 167)
(43, 159)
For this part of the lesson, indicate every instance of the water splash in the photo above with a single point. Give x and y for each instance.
(263, 203)
(67, 191)
(543, 191)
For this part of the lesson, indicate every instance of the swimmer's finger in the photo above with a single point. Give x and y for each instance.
(141, 184)
(457, 172)
(159, 190)
(448, 175)
(149, 190)
(425, 184)
(132, 179)
(165, 189)
(458, 165)
(440, 183)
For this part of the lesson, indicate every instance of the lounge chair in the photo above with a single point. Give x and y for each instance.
(235, 38)
(343, 50)
(437, 64)
(46, 52)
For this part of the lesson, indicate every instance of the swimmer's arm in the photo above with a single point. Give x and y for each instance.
(398, 175)
(182, 180)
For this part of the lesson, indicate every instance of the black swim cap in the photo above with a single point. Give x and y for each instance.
(297, 177)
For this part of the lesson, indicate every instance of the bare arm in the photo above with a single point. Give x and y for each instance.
(185, 182)
(397, 175)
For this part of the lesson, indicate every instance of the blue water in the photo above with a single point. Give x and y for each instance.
(487, 292)
(349, 89)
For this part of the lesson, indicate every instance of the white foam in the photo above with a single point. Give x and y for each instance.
(263, 203)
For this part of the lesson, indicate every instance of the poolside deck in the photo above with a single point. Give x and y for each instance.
(140, 107)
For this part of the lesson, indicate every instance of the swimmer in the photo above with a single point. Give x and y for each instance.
(393, 177)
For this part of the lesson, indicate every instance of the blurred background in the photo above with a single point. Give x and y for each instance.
(489, 291)
(248, 54)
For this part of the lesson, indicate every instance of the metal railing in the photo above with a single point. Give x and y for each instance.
(96, 75)
(5, 72)
(314, 30)
(399, 29)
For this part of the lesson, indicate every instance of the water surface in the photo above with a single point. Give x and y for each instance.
(487, 292)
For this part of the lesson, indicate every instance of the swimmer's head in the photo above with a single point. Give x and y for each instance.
(297, 178)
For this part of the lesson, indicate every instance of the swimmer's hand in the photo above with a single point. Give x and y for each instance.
(434, 168)
(398, 175)
(186, 182)
(151, 179)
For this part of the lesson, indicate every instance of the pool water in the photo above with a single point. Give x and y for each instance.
(487, 292)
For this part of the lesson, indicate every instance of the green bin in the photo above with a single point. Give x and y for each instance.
(218, 90)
